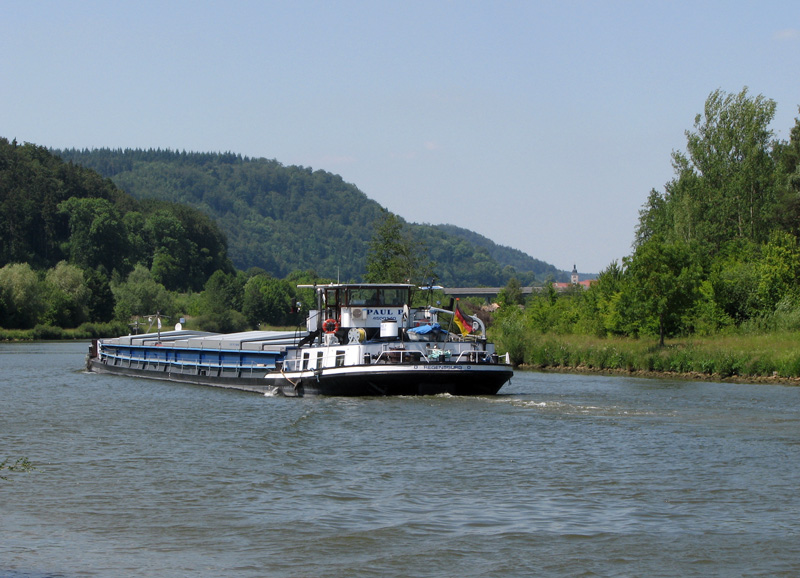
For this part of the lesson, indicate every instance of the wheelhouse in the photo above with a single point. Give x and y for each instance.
(360, 306)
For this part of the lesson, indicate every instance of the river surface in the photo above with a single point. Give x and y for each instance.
(559, 475)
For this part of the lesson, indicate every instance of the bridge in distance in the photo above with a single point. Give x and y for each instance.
(486, 292)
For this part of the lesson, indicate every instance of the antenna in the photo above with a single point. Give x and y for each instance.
(158, 317)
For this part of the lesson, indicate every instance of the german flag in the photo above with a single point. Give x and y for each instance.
(464, 324)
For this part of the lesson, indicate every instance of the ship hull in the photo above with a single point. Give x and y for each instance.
(367, 380)
(401, 379)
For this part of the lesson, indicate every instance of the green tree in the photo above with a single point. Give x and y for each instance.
(221, 303)
(779, 271)
(268, 300)
(186, 246)
(654, 218)
(662, 282)
(97, 235)
(139, 250)
(140, 294)
(733, 280)
(67, 296)
(511, 294)
(602, 305)
(100, 302)
(511, 336)
(725, 185)
(554, 312)
(172, 253)
(223, 291)
(394, 256)
(22, 293)
(787, 155)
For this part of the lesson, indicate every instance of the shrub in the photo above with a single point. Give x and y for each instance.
(47, 332)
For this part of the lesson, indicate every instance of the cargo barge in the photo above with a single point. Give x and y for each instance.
(359, 340)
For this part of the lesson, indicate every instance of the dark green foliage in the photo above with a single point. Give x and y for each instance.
(779, 271)
(395, 256)
(221, 303)
(33, 184)
(229, 321)
(21, 292)
(662, 281)
(734, 280)
(42, 332)
(511, 294)
(223, 291)
(97, 237)
(99, 330)
(275, 217)
(186, 246)
(52, 211)
(141, 295)
(269, 301)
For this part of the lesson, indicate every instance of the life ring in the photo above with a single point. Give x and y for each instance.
(330, 326)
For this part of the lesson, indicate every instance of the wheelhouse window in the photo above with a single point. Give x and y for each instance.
(363, 296)
(377, 296)
(395, 296)
(332, 297)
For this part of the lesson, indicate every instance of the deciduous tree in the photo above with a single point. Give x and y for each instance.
(140, 294)
(395, 257)
(22, 296)
(662, 280)
(267, 300)
(725, 185)
(779, 271)
(97, 235)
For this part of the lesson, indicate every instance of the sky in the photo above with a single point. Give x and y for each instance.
(542, 125)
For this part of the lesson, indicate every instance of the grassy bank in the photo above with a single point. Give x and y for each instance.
(48, 332)
(751, 357)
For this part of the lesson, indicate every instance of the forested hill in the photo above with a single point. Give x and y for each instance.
(289, 218)
(506, 255)
(53, 211)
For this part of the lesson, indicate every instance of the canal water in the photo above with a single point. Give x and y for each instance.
(560, 475)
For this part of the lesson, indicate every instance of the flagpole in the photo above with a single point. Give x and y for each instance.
(452, 317)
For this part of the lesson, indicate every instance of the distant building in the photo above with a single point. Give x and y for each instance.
(574, 280)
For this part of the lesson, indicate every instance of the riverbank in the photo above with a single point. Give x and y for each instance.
(766, 358)
(688, 376)
(51, 333)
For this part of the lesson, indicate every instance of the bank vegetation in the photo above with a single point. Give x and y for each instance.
(712, 286)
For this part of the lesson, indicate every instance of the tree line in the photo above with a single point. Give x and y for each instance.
(66, 296)
(75, 250)
(715, 252)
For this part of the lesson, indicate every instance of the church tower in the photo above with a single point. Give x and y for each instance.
(574, 278)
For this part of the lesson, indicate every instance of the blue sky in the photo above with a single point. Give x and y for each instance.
(541, 125)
